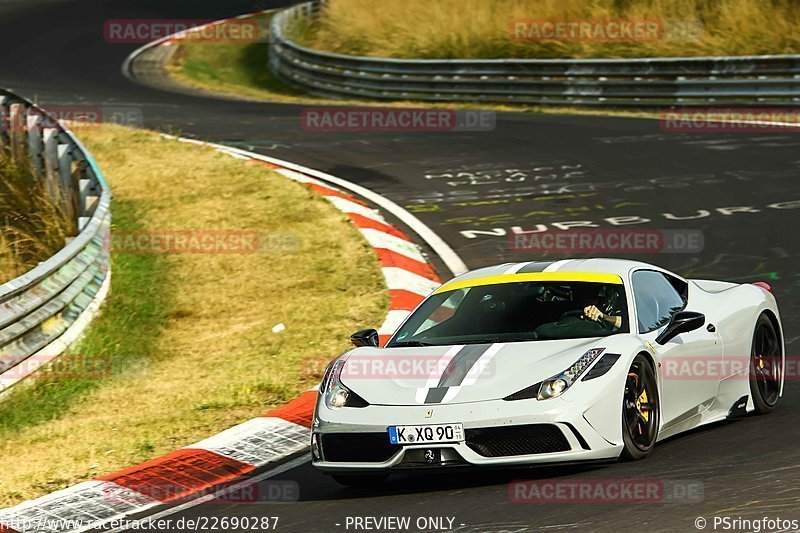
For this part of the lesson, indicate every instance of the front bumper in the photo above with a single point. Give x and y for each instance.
(572, 425)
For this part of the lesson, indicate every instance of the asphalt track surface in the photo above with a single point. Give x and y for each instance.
(551, 169)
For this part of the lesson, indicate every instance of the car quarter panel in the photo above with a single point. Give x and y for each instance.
(733, 312)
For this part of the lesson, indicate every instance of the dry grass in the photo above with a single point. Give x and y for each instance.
(190, 335)
(33, 225)
(480, 28)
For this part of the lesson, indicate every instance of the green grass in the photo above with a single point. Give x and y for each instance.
(229, 67)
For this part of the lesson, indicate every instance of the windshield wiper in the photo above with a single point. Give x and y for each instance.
(496, 340)
(404, 344)
(521, 339)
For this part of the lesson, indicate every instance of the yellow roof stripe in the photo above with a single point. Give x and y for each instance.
(532, 276)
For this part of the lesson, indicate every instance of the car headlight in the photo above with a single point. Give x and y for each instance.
(557, 385)
(335, 394)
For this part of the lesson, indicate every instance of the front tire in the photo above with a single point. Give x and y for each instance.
(766, 362)
(640, 410)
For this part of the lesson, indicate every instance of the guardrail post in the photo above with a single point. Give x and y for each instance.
(51, 174)
(64, 155)
(83, 204)
(4, 121)
(36, 147)
(16, 126)
(88, 195)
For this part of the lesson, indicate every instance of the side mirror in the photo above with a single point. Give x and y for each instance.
(365, 337)
(681, 322)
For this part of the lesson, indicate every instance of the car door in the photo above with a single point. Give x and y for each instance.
(689, 364)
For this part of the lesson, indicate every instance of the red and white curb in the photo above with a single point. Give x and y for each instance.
(197, 469)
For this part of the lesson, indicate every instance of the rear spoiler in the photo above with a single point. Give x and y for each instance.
(764, 285)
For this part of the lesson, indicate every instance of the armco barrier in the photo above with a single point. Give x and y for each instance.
(757, 81)
(45, 309)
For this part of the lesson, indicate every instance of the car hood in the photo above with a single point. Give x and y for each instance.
(456, 374)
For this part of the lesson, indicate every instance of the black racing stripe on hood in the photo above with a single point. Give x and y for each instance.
(436, 395)
(458, 367)
(536, 266)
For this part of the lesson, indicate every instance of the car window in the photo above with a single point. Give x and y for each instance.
(656, 299)
(516, 312)
(444, 311)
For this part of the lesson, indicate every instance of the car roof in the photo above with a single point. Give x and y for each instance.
(618, 267)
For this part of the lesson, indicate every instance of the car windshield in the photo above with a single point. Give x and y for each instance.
(516, 312)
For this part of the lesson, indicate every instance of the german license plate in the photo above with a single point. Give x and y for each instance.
(430, 434)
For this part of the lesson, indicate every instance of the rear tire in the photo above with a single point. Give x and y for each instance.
(766, 366)
(363, 481)
(640, 410)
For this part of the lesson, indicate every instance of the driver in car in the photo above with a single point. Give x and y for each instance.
(600, 312)
(593, 313)
(608, 300)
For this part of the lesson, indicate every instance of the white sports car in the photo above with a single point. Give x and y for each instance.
(545, 362)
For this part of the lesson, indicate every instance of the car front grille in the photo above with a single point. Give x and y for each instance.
(357, 447)
(505, 441)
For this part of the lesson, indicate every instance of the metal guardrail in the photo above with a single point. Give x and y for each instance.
(37, 308)
(759, 81)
